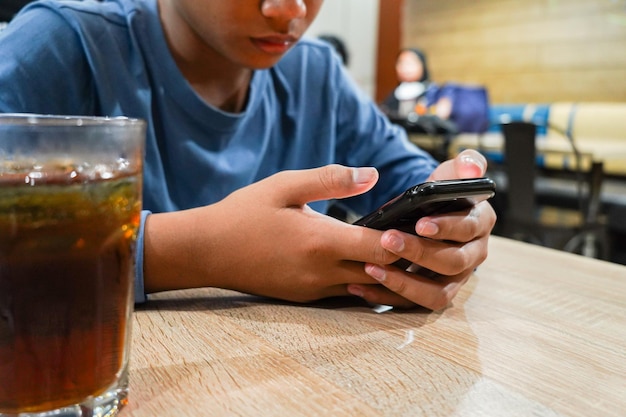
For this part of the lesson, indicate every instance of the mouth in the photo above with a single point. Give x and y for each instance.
(274, 45)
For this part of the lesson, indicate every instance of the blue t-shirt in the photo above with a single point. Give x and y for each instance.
(111, 59)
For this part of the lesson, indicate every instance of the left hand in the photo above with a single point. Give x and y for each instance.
(455, 244)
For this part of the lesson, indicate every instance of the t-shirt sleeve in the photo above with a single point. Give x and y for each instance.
(140, 293)
(43, 68)
(368, 138)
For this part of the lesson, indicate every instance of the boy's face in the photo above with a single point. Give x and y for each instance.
(249, 33)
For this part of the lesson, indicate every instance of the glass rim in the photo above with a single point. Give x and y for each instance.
(35, 119)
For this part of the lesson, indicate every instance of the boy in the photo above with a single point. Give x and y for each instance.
(251, 130)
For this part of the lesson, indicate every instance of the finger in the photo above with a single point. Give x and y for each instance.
(460, 226)
(455, 242)
(404, 288)
(444, 257)
(358, 243)
(328, 182)
(467, 164)
(379, 294)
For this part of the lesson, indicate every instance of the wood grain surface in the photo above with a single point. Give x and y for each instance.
(535, 332)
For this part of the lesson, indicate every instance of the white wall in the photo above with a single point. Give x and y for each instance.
(356, 22)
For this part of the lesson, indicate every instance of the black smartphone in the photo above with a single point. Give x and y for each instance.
(433, 197)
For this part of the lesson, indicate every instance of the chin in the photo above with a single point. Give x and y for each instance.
(261, 64)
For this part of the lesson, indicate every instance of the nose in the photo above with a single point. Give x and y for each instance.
(283, 9)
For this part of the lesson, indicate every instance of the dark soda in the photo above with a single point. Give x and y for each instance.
(66, 279)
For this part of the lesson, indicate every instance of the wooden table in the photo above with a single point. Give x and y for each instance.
(535, 332)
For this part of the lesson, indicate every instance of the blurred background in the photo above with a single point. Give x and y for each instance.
(530, 51)
(553, 76)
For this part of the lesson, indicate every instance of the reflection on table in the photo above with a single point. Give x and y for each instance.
(534, 332)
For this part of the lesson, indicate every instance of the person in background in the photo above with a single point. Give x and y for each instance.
(419, 105)
(414, 95)
(252, 129)
(413, 83)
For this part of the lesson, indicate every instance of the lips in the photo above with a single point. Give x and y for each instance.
(275, 45)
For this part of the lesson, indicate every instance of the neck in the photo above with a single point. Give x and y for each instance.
(220, 82)
(227, 91)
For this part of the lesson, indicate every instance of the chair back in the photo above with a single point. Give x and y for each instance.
(519, 165)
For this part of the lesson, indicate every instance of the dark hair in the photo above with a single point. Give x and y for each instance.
(339, 46)
(422, 57)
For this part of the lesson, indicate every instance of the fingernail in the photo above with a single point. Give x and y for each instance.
(426, 228)
(393, 242)
(452, 289)
(355, 290)
(363, 175)
(473, 161)
(376, 272)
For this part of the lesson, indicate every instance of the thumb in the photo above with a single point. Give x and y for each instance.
(467, 164)
(325, 183)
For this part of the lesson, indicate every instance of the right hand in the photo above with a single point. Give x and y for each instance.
(264, 239)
